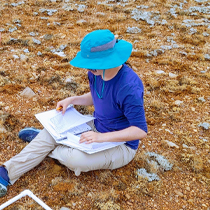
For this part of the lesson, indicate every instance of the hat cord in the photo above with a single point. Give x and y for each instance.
(102, 90)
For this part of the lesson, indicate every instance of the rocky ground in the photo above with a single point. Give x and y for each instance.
(171, 54)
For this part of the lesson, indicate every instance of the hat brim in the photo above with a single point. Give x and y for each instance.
(120, 55)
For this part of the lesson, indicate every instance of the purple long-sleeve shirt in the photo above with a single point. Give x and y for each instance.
(122, 103)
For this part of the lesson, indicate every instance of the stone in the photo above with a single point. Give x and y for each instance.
(61, 54)
(171, 75)
(133, 30)
(179, 193)
(178, 102)
(23, 57)
(205, 125)
(149, 176)
(35, 41)
(188, 188)
(12, 29)
(185, 146)
(48, 36)
(81, 8)
(81, 22)
(15, 56)
(162, 161)
(27, 93)
(201, 99)
(2, 129)
(170, 144)
(159, 72)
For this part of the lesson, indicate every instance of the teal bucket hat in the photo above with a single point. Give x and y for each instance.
(100, 50)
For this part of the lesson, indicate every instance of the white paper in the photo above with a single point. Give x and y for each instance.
(72, 118)
(73, 141)
(45, 117)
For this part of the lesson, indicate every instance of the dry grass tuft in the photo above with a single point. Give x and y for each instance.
(142, 186)
(152, 83)
(156, 103)
(196, 57)
(196, 40)
(193, 161)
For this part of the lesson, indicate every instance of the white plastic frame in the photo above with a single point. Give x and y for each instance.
(22, 194)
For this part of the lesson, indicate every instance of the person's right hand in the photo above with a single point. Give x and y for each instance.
(64, 104)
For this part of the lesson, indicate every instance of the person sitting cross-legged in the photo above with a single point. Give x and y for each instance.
(116, 92)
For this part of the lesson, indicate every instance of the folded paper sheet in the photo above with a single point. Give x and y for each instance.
(72, 122)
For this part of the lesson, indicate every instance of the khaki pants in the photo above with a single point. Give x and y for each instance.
(74, 159)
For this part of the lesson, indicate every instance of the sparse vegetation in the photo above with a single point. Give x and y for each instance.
(172, 40)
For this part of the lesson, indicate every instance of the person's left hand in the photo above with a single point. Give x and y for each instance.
(90, 137)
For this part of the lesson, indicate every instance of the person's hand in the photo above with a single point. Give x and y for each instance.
(90, 137)
(62, 105)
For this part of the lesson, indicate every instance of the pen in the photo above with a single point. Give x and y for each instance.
(59, 108)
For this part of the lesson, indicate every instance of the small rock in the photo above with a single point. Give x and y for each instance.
(90, 195)
(2, 129)
(28, 93)
(149, 176)
(205, 34)
(68, 80)
(185, 146)
(171, 75)
(129, 203)
(201, 99)
(179, 193)
(204, 125)
(61, 54)
(133, 30)
(207, 56)
(23, 57)
(178, 102)
(193, 148)
(26, 51)
(32, 34)
(48, 36)
(170, 144)
(12, 29)
(36, 41)
(128, 196)
(188, 188)
(15, 56)
(193, 109)
(191, 201)
(169, 131)
(162, 161)
(81, 22)
(183, 53)
(160, 72)
(81, 8)
(102, 14)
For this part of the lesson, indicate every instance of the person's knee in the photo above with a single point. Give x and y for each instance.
(78, 159)
(72, 158)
